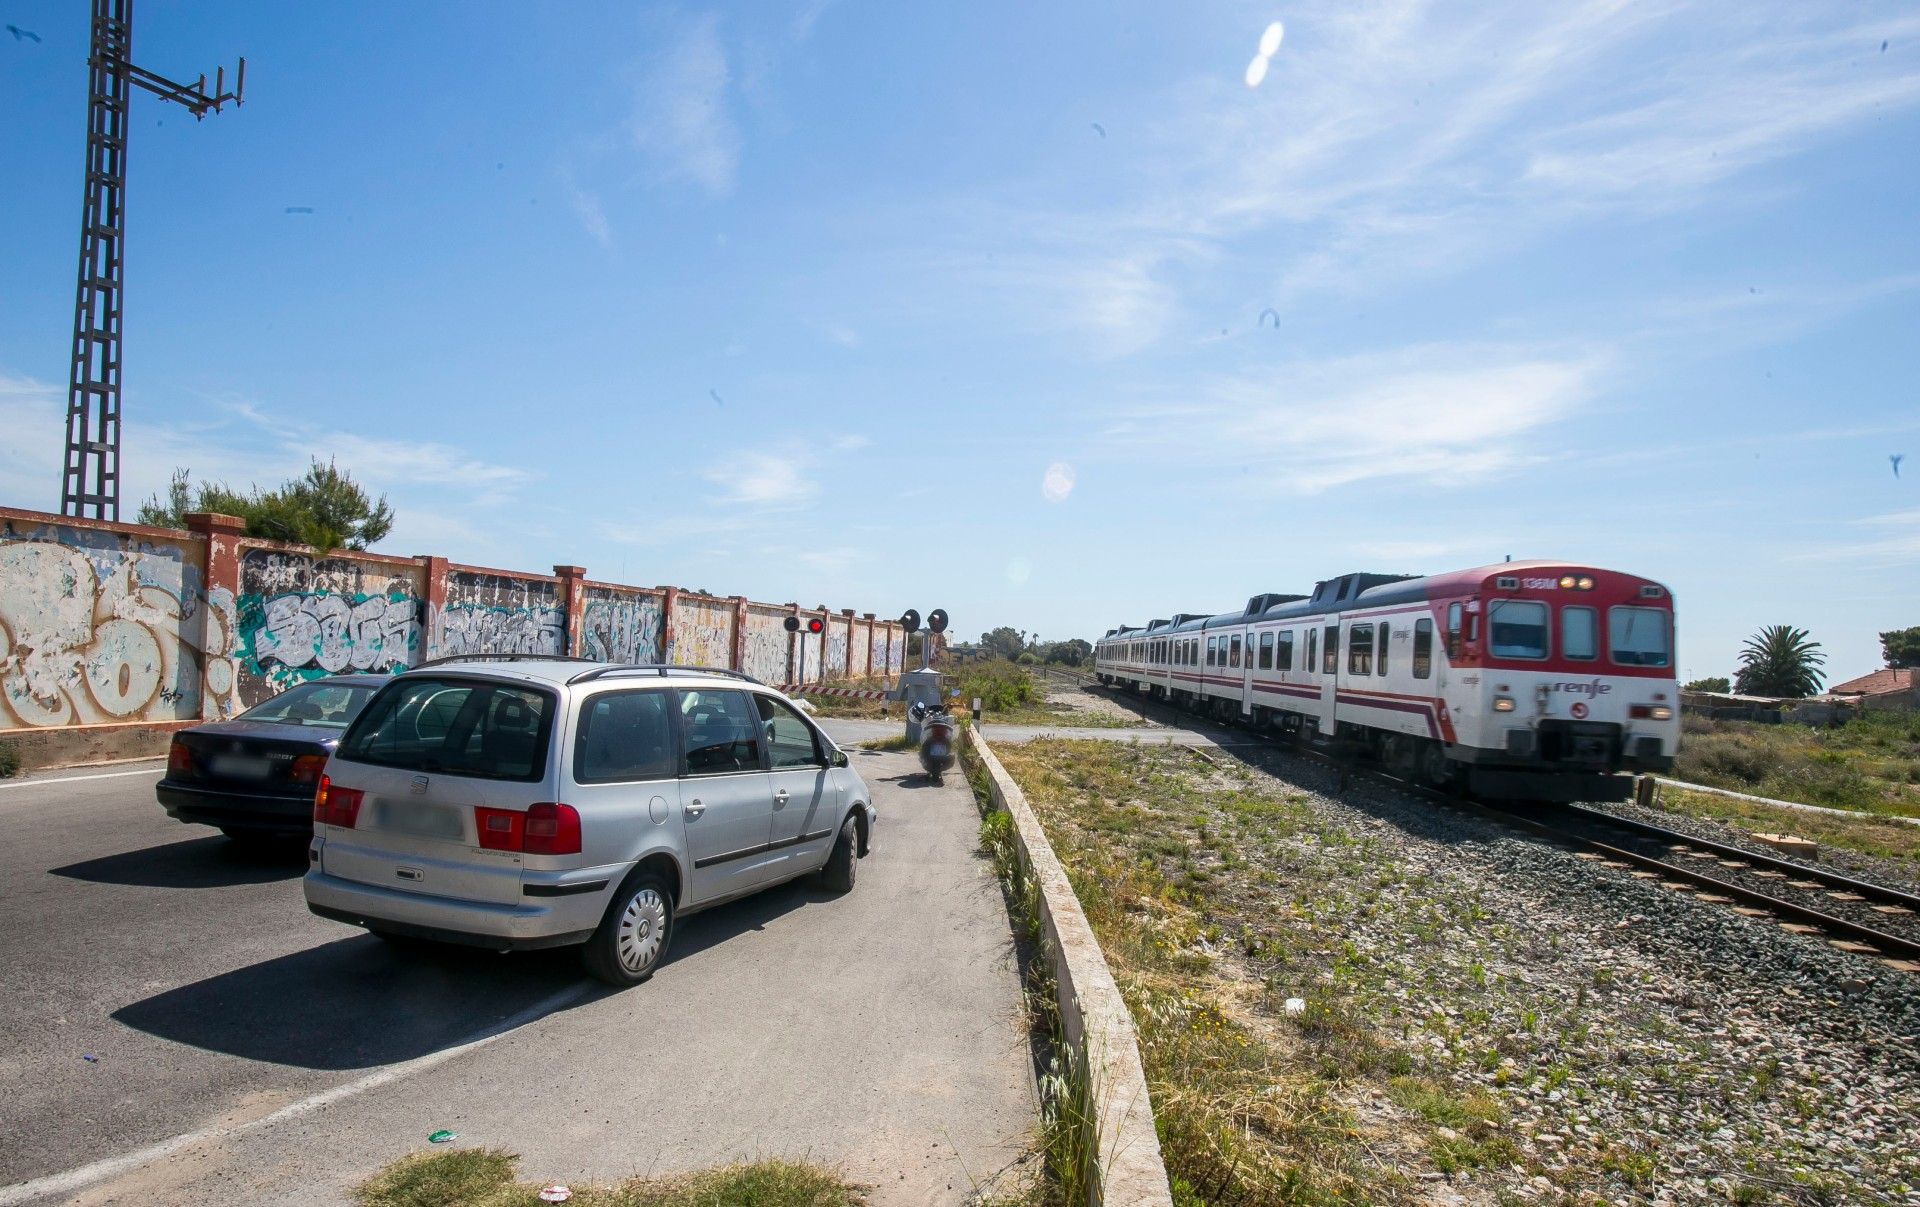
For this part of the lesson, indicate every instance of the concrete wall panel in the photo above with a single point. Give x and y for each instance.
(621, 626)
(702, 632)
(99, 626)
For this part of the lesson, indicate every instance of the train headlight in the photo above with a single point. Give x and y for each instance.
(1651, 712)
(1566, 582)
(1585, 583)
(1503, 704)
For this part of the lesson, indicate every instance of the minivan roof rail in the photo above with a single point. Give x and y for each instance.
(502, 657)
(662, 669)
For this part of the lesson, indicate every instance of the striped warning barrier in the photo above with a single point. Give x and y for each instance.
(842, 693)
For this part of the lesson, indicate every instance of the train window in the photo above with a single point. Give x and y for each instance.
(1380, 659)
(1578, 636)
(1518, 628)
(1453, 630)
(1637, 636)
(1213, 652)
(1423, 648)
(1234, 651)
(1283, 657)
(1313, 651)
(1266, 651)
(1360, 650)
(1330, 656)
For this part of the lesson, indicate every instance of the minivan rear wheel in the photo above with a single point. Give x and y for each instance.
(632, 938)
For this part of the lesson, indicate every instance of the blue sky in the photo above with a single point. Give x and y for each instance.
(804, 301)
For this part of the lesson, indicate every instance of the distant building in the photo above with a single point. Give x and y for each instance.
(1883, 689)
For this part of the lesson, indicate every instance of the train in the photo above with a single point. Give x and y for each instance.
(1523, 681)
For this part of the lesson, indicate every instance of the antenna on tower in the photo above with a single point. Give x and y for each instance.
(91, 479)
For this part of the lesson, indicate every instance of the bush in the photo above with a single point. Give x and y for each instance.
(9, 760)
(1000, 685)
(1726, 760)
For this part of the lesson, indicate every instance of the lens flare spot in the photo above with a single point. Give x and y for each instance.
(1057, 483)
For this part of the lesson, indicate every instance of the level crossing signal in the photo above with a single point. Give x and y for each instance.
(814, 624)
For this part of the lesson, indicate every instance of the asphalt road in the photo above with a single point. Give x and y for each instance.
(245, 1051)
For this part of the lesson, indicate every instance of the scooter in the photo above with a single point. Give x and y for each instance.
(936, 739)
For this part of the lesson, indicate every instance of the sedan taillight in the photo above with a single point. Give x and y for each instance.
(179, 760)
(306, 768)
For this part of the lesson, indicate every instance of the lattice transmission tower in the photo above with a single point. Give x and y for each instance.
(91, 482)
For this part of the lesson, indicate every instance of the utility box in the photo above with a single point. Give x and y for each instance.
(918, 687)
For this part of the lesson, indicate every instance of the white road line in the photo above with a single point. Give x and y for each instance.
(78, 779)
(86, 1175)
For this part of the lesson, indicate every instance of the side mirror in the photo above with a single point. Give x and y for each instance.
(838, 758)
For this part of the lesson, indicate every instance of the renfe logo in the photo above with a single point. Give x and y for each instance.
(1591, 688)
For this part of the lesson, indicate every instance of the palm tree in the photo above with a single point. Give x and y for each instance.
(1779, 661)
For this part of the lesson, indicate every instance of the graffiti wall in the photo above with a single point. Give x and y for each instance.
(767, 642)
(836, 667)
(301, 618)
(100, 626)
(113, 624)
(621, 626)
(702, 632)
(498, 614)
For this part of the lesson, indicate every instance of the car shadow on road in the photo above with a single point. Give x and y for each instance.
(713, 927)
(211, 862)
(357, 1002)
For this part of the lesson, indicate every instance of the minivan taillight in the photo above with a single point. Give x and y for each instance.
(336, 806)
(544, 829)
(179, 759)
(553, 829)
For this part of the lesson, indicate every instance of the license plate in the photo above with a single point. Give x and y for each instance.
(418, 817)
(240, 767)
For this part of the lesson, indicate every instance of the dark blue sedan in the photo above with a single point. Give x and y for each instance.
(254, 776)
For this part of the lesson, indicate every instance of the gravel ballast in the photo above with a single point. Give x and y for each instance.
(1642, 1046)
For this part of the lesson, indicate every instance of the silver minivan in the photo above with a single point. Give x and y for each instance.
(519, 801)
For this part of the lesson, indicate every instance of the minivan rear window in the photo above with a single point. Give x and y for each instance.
(470, 727)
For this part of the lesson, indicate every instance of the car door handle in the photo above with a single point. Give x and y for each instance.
(780, 798)
(695, 808)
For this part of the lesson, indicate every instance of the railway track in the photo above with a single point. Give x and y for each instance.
(1876, 920)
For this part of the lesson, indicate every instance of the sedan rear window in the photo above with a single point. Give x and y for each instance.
(319, 705)
(468, 727)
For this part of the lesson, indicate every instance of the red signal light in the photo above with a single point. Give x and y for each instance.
(816, 625)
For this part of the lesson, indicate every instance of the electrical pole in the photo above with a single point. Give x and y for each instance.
(91, 479)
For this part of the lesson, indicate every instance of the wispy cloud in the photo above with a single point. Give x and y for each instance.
(1892, 539)
(1434, 413)
(766, 480)
(235, 442)
(592, 215)
(681, 120)
(1399, 139)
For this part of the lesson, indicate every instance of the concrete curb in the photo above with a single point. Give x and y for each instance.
(1092, 1012)
(1787, 804)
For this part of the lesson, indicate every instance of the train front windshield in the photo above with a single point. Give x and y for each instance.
(1638, 637)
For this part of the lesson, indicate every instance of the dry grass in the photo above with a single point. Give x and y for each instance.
(1253, 1106)
(1872, 763)
(1867, 834)
(476, 1177)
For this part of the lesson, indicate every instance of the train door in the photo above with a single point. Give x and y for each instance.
(1246, 675)
(1329, 669)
